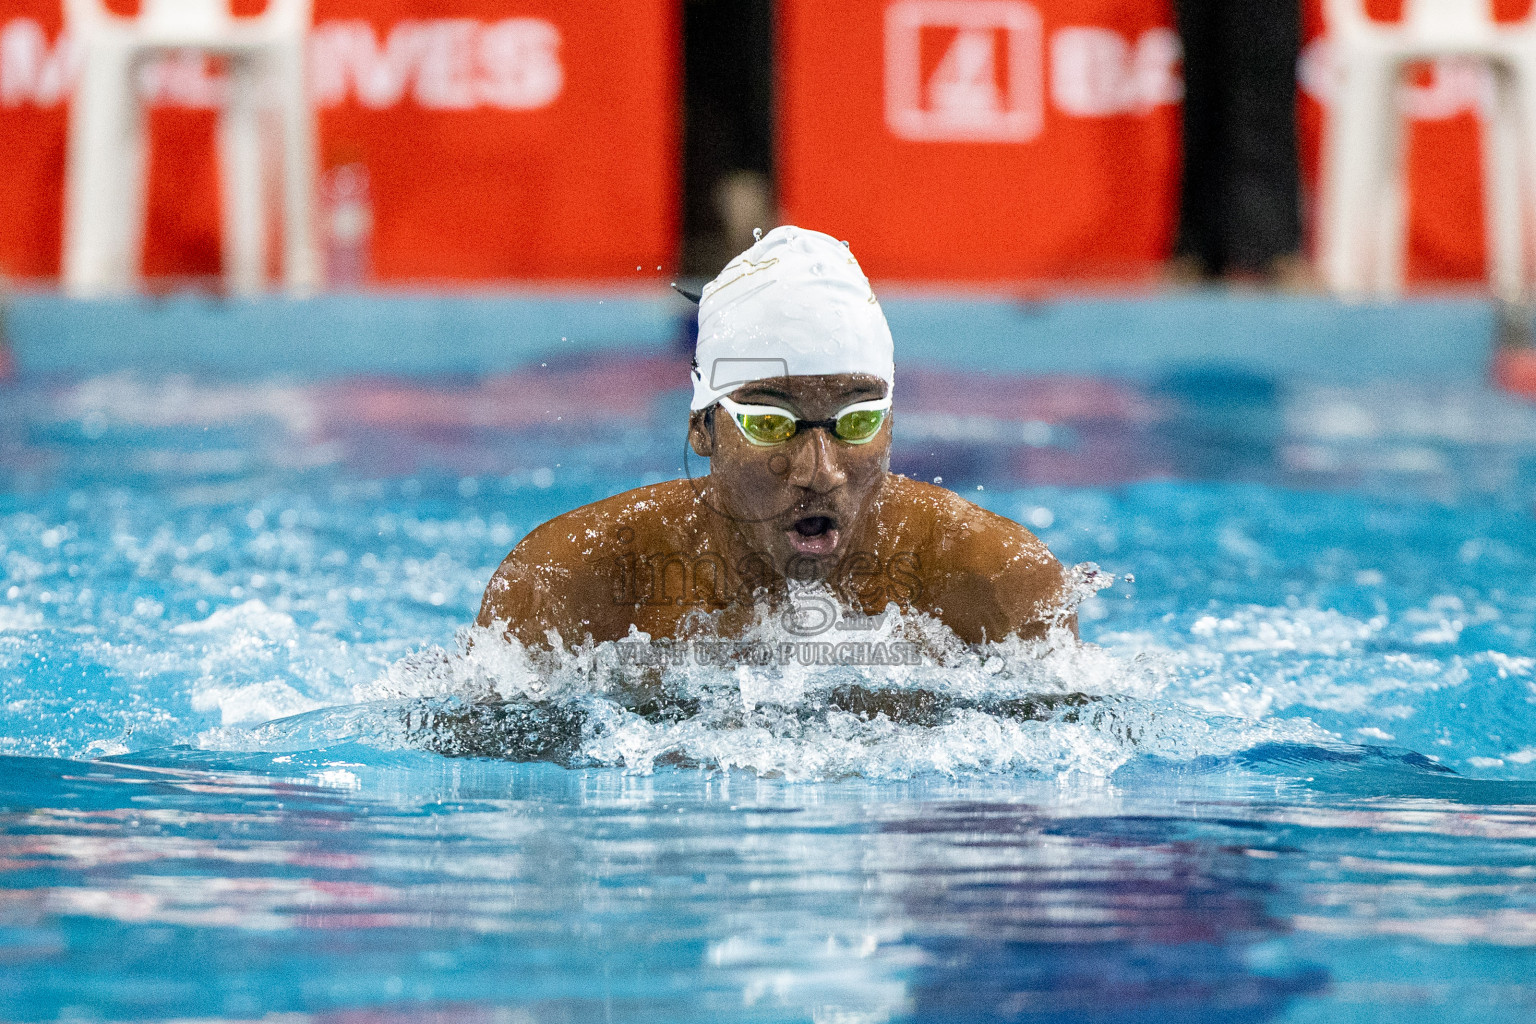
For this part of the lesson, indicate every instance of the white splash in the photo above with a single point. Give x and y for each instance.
(17, 619)
(756, 702)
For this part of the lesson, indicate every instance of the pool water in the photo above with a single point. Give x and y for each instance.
(1307, 793)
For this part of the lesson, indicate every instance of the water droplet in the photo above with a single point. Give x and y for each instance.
(757, 234)
(938, 479)
(980, 488)
(637, 266)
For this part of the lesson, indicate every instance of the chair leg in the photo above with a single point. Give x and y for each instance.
(1501, 170)
(1352, 145)
(240, 166)
(1524, 94)
(1390, 249)
(301, 259)
(103, 214)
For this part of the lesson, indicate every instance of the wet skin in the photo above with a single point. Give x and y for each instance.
(814, 508)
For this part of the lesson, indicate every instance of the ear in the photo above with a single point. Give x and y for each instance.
(701, 434)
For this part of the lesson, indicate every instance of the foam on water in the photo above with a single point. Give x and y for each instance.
(184, 562)
(173, 662)
(774, 711)
(247, 606)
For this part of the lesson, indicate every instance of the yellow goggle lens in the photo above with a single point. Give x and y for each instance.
(860, 425)
(766, 428)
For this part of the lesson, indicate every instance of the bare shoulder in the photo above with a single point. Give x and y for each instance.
(583, 530)
(983, 573)
(561, 568)
(965, 533)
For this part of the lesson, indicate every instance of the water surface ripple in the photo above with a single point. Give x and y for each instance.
(1309, 793)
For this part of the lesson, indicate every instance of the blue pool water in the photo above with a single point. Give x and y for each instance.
(1309, 794)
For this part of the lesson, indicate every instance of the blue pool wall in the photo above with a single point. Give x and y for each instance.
(1448, 339)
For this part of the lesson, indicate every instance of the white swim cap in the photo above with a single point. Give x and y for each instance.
(795, 304)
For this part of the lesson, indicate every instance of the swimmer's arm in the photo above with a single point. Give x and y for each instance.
(540, 587)
(1032, 588)
(1003, 582)
(520, 599)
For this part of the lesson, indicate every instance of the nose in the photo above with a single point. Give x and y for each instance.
(814, 465)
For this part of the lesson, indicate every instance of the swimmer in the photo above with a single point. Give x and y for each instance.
(793, 382)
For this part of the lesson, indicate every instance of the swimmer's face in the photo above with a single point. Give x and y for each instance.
(800, 502)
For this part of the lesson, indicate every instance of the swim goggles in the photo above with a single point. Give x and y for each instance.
(766, 425)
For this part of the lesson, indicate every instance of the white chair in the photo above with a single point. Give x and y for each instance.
(104, 188)
(1363, 204)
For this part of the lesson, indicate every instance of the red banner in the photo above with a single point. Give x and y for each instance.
(981, 140)
(1006, 140)
(459, 139)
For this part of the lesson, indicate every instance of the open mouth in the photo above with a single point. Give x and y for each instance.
(813, 535)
